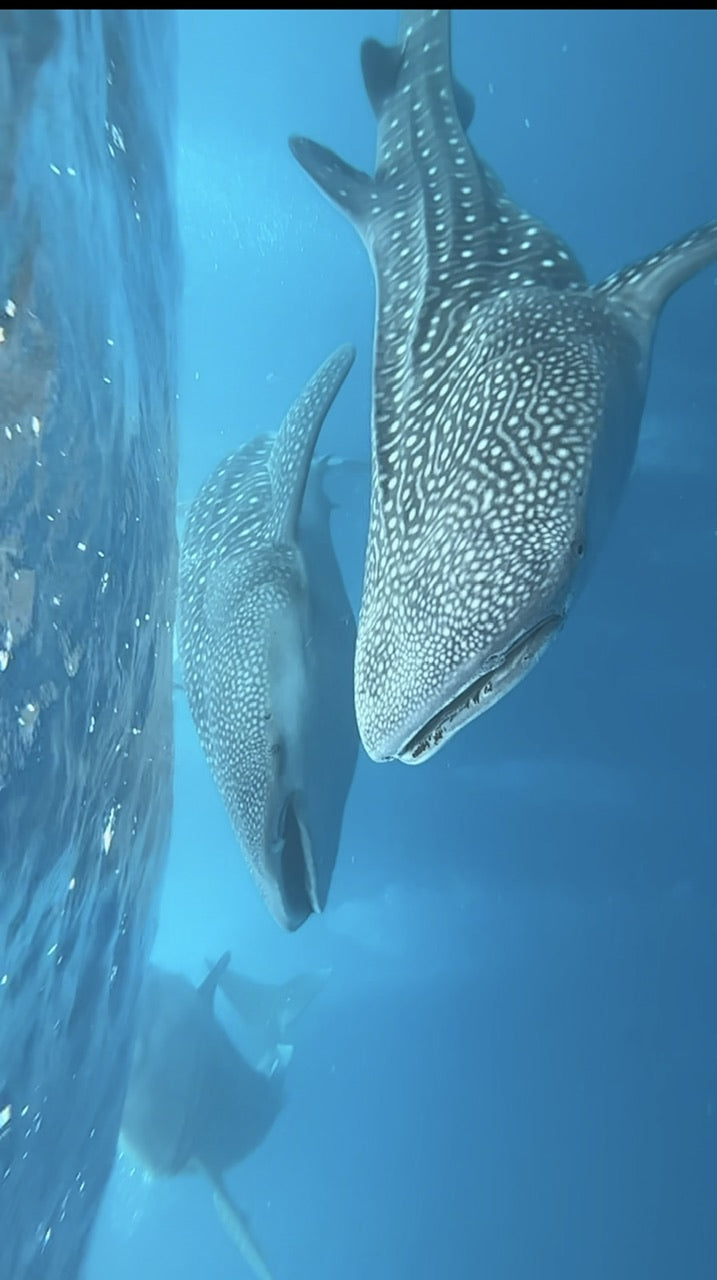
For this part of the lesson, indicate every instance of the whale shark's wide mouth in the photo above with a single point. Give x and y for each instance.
(294, 867)
(490, 686)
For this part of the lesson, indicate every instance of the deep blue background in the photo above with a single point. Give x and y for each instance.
(513, 1070)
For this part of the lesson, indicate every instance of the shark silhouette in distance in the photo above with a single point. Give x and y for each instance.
(507, 398)
(266, 638)
(194, 1103)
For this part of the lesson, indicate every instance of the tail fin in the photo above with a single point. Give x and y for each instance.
(236, 1224)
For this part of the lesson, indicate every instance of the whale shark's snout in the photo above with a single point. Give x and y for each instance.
(291, 869)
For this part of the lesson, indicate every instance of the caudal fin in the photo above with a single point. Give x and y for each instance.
(236, 1224)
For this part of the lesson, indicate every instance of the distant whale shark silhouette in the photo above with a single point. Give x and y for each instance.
(194, 1104)
(506, 404)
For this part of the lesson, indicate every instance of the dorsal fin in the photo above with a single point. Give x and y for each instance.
(645, 286)
(293, 448)
(381, 65)
(465, 104)
(207, 988)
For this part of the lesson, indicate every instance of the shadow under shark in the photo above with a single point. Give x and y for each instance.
(194, 1103)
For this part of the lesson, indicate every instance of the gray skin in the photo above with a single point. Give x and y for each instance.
(193, 1103)
(266, 638)
(507, 401)
(191, 1096)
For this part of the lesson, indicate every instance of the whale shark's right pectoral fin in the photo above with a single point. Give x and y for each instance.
(236, 1224)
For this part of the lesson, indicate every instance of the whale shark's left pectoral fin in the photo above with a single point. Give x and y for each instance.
(645, 286)
(236, 1224)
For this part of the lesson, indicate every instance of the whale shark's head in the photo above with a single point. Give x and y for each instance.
(257, 727)
(507, 396)
(458, 609)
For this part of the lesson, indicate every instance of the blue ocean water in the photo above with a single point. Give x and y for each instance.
(89, 266)
(513, 1068)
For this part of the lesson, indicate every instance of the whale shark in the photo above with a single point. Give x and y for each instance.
(507, 399)
(266, 639)
(194, 1103)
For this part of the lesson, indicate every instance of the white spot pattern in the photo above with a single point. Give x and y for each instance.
(242, 601)
(495, 371)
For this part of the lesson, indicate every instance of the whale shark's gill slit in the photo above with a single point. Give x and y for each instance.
(441, 726)
(504, 672)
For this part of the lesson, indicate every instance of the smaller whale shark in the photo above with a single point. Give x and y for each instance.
(266, 638)
(194, 1104)
(507, 398)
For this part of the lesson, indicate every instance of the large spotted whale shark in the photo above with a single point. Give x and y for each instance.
(506, 404)
(266, 639)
